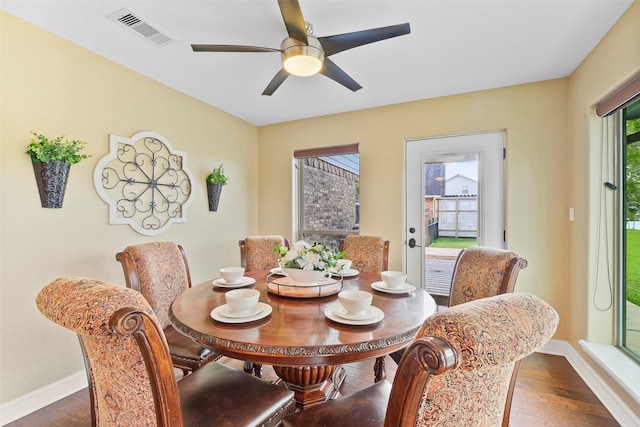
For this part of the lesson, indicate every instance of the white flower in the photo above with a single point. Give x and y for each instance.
(300, 246)
(291, 255)
(305, 256)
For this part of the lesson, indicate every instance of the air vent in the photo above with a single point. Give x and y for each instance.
(128, 19)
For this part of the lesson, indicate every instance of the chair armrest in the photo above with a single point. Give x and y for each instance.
(424, 357)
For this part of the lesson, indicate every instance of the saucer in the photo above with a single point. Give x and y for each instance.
(277, 271)
(227, 312)
(382, 287)
(245, 281)
(350, 272)
(218, 314)
(367, 313)
(332, 310)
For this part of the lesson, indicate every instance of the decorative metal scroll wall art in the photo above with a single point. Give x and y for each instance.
(145, 182)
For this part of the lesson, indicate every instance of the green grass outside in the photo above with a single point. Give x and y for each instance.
(453, 242)
(633, 266)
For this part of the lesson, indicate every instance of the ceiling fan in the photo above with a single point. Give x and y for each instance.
(304, 54)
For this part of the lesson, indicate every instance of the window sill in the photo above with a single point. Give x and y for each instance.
(617, 364)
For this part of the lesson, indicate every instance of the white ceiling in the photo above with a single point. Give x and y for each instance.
(454, 47)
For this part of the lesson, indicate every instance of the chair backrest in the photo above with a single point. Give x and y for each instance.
(256, 252)
(482, 272)
(369, 254)
(159, 271)
(127, 357)
(458, 370)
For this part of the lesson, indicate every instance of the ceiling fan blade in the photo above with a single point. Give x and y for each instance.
(230, 48)
(276, 82)
(293, 20)
(331, 70)
(341, 42)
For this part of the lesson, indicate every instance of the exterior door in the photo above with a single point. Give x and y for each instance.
(454, 192)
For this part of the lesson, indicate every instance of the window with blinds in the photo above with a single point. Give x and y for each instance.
(328, 192)
(624, 106)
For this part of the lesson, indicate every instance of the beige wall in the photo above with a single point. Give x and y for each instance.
(535, 120)
(54, 87)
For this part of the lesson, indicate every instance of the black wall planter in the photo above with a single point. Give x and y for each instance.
(213, 191)
(52, 182)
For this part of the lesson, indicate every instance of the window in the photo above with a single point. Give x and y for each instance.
(328, 192)
(630, 238)
(625, 102)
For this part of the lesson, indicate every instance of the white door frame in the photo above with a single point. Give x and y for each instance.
(489, 147)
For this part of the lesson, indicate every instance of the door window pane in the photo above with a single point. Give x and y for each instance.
(451, 222)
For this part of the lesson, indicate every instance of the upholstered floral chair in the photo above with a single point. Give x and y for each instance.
(160, 271)
(256, 252)
(481, 272)
(369, 254)
(456, 373)
(131, 376)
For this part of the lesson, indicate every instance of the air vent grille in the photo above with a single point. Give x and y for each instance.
(138, 25)
(129, 20)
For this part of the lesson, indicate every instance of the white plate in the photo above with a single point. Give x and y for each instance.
(278, 271)
(227, 312)
(382, 287)
(367, 314)
(331, 311)
(216, 314)
(346, 273)
(245, 281)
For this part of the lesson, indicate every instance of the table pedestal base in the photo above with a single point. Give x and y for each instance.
(312, 384)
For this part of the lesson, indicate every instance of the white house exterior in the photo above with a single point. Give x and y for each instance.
(460, 185)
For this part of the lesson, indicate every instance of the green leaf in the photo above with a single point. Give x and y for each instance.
(43, 149)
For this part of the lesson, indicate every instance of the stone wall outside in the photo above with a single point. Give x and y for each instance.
(330, 199)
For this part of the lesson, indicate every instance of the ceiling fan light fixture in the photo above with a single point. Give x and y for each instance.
(300, 59)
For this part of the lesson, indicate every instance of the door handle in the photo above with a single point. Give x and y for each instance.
(412, 243)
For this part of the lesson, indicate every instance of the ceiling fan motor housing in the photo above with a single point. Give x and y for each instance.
(302, 59)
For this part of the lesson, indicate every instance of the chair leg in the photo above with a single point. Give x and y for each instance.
(248, 367)
(512, 387)
(257, 370)
(253, 368)
(379, 368)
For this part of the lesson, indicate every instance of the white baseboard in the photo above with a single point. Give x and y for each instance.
(624, 415)
(40, 398)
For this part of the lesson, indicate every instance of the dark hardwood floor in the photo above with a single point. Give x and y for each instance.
(548, 393)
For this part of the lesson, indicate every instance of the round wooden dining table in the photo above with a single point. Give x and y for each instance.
(304, 346)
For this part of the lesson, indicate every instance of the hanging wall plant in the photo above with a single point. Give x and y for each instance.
(51, 159)
(215, 180)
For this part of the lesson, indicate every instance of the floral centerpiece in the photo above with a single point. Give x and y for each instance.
(305, 262)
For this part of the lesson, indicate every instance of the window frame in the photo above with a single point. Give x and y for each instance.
(621, 321)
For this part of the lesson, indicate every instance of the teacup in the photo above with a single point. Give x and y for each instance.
(232, 274)
(343, 265)
(394, 279)
(355, 301)
(242, 301)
